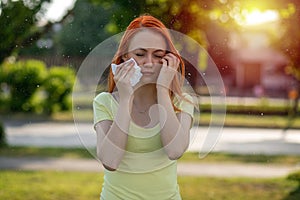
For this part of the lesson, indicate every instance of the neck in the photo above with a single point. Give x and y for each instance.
(145, 95)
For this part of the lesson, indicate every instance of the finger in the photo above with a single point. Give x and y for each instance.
(126, 63)
(119, 74)
(173, 61)
(126, 72)
(164, 62)
(130, 73)
(169, 58)
(128, 67)
(123, 68)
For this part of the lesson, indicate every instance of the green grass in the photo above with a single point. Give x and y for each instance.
(238, 158)
(254, 121)
(195, 188)
(49, 185)
(23, 151)
(231, 120)
(19, 151)
(53, 185)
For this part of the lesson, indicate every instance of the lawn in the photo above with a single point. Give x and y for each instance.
(23, 151)
(231, 120)
(251, 120)
(61, 185)
(53, 185)
(204, 119)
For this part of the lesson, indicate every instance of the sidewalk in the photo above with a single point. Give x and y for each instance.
(184, 168)
(203, 139)
(231, 140)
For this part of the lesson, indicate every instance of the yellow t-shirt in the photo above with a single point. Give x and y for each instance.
(145, 172)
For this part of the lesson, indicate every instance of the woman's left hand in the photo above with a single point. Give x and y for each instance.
(170, 64)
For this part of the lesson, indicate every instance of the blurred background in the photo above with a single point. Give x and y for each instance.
(255, 45)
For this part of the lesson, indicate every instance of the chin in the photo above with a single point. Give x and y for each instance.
(147, 81)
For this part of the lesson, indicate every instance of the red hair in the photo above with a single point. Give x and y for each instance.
(147, 21)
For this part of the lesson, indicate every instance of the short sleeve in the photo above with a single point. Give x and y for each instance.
(186, 104)
(102, 107)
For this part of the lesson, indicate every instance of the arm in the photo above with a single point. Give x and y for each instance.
(175, 130)
(112, 138)
(112, 135)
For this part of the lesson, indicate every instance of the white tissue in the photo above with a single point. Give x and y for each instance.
(137, 73)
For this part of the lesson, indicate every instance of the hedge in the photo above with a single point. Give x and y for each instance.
(58, 87)
(28, 86)
(2, 136)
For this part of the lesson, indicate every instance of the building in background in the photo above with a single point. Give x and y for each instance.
(258, 68)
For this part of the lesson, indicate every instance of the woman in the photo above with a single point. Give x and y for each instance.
(143, 129)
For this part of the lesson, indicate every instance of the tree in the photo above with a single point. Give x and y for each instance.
(82, 30)
(188, 17)
(290, 45)
(18, 25)
(93, 21)
(90, 23)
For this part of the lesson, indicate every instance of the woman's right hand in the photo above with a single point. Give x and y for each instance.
(122, 79)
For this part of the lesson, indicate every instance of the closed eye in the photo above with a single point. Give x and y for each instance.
(158, 56)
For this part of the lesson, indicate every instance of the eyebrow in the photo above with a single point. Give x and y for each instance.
(157, 50)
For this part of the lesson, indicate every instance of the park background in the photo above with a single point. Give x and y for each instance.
(254, 44)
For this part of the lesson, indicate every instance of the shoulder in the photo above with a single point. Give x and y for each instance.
(185, 103)
(106, 99)
(187, 97)
(103, 97)
(183, 99)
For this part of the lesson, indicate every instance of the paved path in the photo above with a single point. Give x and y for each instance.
(203, 139)
(233, 140)
(184, 168)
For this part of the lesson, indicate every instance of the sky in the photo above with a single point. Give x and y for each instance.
(58, 8)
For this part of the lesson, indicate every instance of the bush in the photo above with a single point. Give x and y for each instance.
(58, 86)
(2, 136)
(295, 176)
(22, 79)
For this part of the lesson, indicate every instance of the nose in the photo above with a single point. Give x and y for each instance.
(148, 61)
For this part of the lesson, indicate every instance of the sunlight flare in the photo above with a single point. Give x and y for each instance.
(257, 17)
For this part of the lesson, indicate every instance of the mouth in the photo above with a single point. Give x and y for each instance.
(147, 73)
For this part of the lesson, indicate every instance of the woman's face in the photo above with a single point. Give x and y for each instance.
(147, 47)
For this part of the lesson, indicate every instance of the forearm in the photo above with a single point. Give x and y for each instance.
(174, 138)
(112, 146)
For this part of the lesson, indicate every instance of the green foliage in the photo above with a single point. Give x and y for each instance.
(2, 136)
(58, 86)
(295, 176)
(18, 25)
(23, 78)
(27, 86)
(86, 28)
